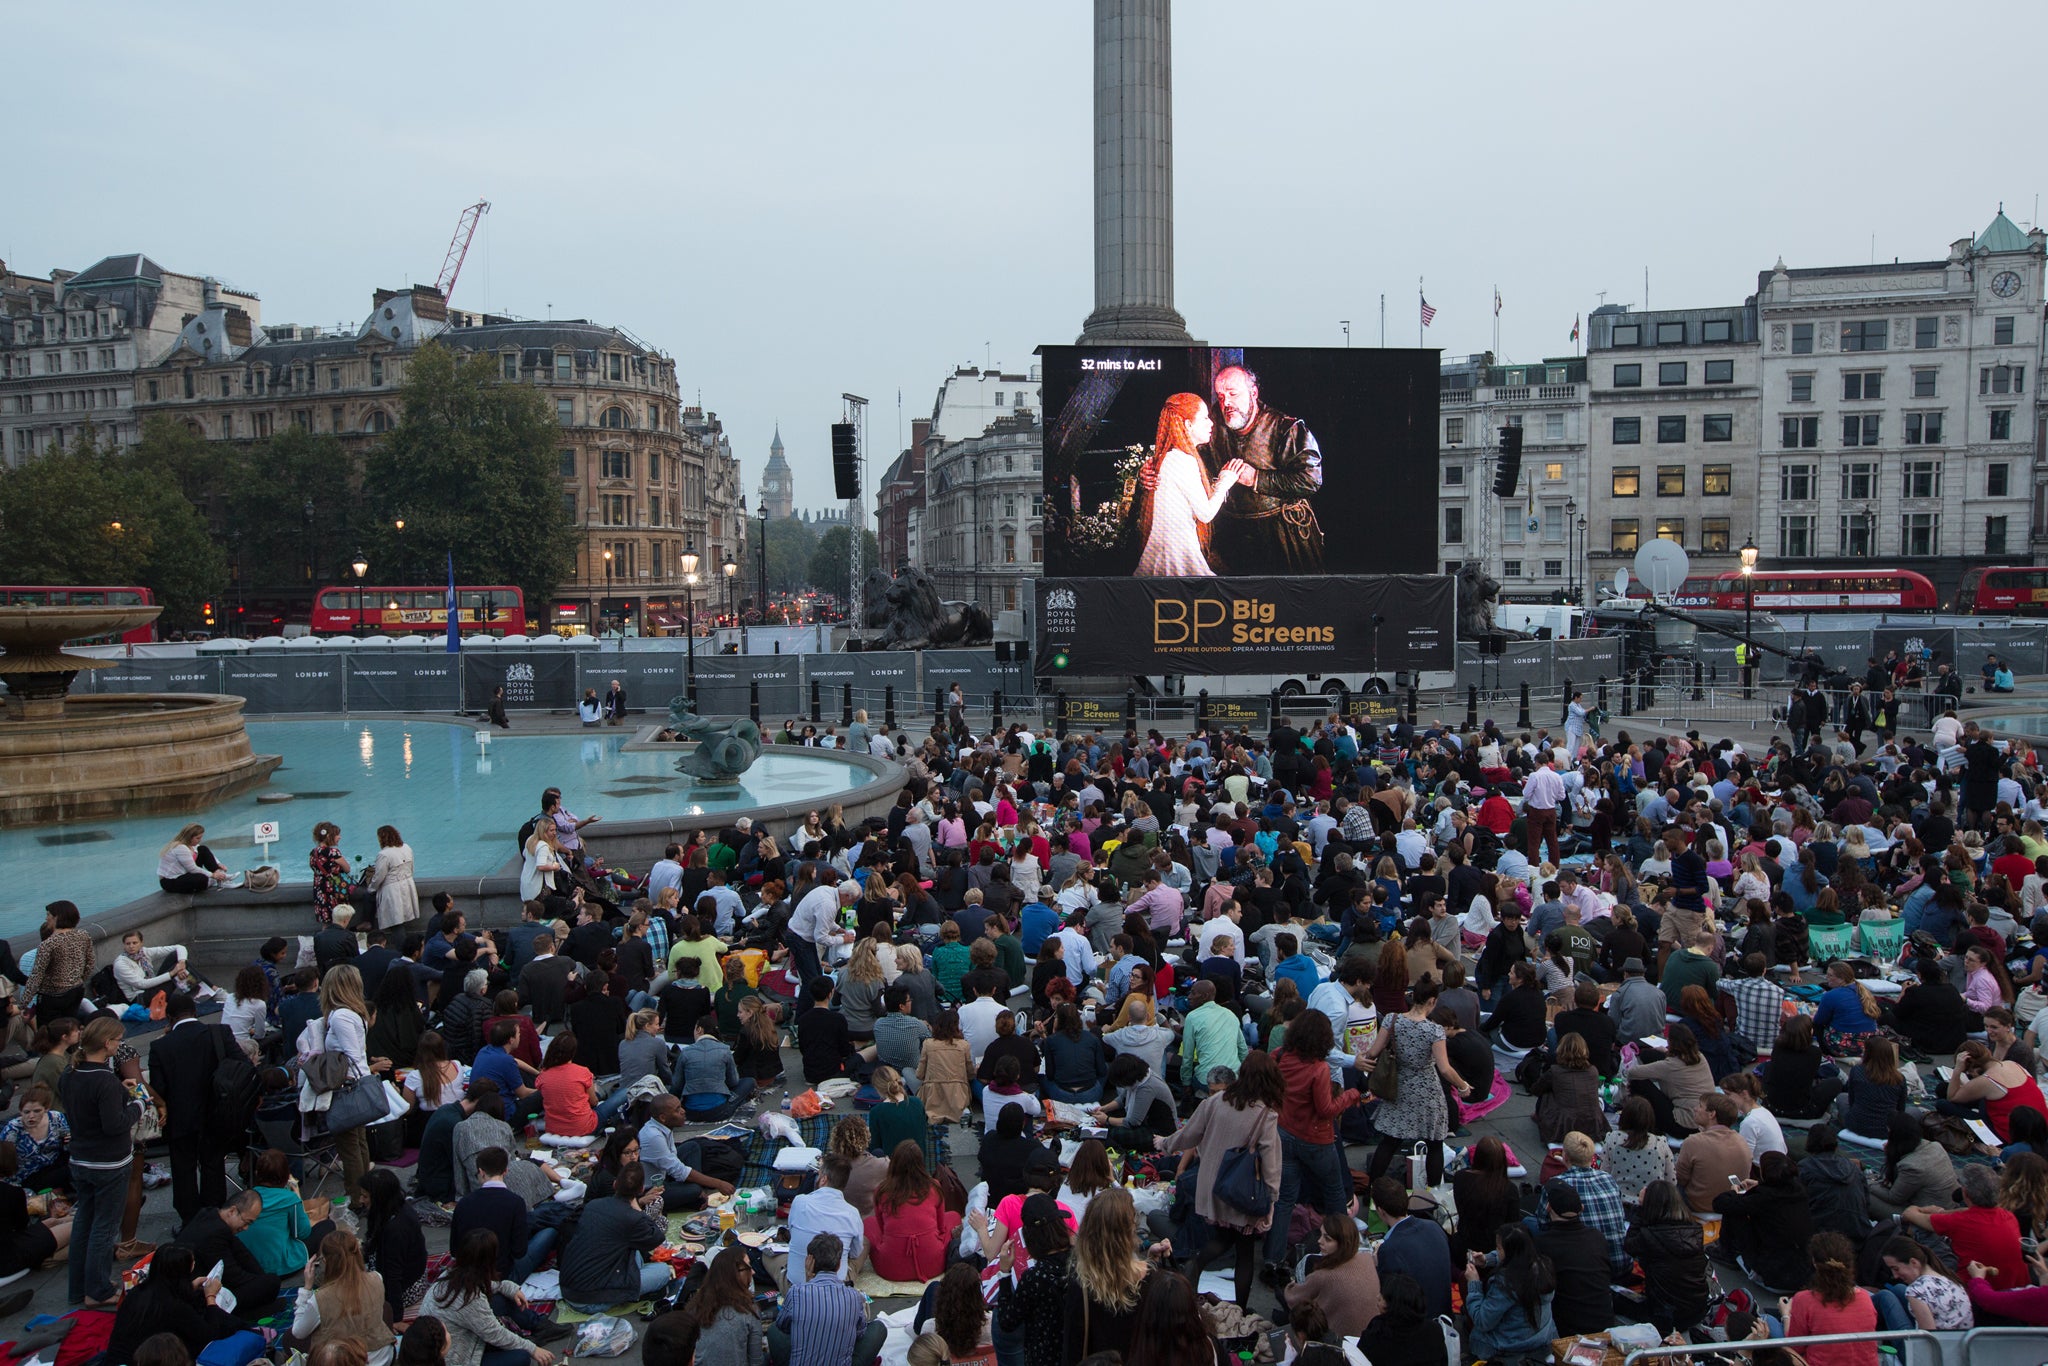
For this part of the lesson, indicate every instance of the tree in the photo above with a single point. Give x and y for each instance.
(790, 546)
(472, 468)
(93, 514)
(292, 518)
(830, 566)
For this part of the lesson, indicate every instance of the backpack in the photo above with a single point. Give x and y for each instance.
(526, 831)
(723, 1158)
(236, 1086)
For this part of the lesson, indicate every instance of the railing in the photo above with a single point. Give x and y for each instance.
(1564, 392)
(1917, 1347)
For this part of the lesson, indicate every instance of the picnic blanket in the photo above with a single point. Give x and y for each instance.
(817, 1133)
(873, 1286)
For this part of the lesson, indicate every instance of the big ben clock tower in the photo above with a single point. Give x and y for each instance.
(778, 486)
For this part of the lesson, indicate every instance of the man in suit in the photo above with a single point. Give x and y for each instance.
(213, 1236)
(373, 961)
(1414, 1246)
(181, 1068)
(544, 982)
(336, 943)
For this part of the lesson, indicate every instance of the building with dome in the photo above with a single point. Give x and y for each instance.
(778, 485)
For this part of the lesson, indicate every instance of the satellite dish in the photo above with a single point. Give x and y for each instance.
(1621, 582)
(1662, 565)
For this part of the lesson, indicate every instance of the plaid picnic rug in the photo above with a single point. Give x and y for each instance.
(816, 1130)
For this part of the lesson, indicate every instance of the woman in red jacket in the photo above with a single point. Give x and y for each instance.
(908, 1232)
(1312, 1166)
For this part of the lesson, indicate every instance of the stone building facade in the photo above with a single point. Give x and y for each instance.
(981, 530)
(71, 344)
(643, 478)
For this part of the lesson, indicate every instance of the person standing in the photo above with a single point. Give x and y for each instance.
(398, 897)
(1245, 1115)
(1542, 794)
(347, 1033)
(181, 1067)
(102, 1115)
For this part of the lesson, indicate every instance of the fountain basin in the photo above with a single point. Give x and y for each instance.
(125, 754)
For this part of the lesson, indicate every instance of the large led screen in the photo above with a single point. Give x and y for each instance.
(1239, 462)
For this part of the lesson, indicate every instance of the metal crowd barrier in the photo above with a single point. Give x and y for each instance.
(1917, 1347)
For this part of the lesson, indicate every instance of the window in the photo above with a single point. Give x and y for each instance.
(1454, 431)
(615, 418)
(569, 504)
(618, 511)
(1796, 483)
(1454, 526)
(654, 509)
(334, 418)
(1511, 524)
(2001, 424)
(1920, 533)
(1671, 529)
(616, 367)
(1923, 429)
(1802, 388)
(1714, 534)
(565, 411)
(1628, 334)
(615, 465)
(1924, 383)
(1009, 546)
(1860, 385)
(1454, 475)
(508, 365)
(1623, 535)
(152, 392)
(1923, 479)
(1997, 480)
(1720, 371)
(1717, 427)
(1671, 334)
(1800, 432)
(653, 417)
(1037, 539)
(1671, 481)
(1923, 333)
(1627, 481)
(565, 367)
(1553, 470)
(333, 377)
(1861, 431)
(1671, 372)
(1553, 522)
(1994, 535)
(2001, 331)
(1670, 429)
(1717, 330)
(1511, 568)
(1628, 431)
(376, 370)
(1795, 536)
(1859, 480)
(1853, 531)
(1553, 426)
(378, 421)
(568, 464)
(1553, 569)
(1718, 481)
(225, 390)
(1802, 339)
(1865, 336)
(1628, 376)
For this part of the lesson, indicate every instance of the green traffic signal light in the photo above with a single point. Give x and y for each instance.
(1059, 660)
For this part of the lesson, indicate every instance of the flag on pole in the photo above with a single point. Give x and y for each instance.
(454, 616)
(1575, 327)
(1496, 301)
(1428, 313)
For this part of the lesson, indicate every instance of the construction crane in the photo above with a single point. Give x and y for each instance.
(458, 246)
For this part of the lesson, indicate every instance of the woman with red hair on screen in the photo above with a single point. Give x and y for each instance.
(1182, 501)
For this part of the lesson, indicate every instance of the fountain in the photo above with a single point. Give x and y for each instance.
(66, 758)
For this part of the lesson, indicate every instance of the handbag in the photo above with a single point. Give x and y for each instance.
(1241, 1182)
(1385, 1081)
(361, 1102)
(150, 1125)
(328, 1071)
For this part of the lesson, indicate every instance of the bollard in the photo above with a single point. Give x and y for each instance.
(1201, 709)
(1699, 681)
(1626, 691)
(754, 700)
(846, 704)
(939, 702)
(1344, 701)
(1600, 692)
(1522, 716)
(1472, 707)
(1411, 704)
(889, 707)
(1564, 708)
(814, 702)
(995, 707)
(1130, 709)
(1273, 702)
(1059, 714)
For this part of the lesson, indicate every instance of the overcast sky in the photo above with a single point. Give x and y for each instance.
(796, 200)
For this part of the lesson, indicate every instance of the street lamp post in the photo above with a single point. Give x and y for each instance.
(1748, 612)
(688, 562)
(597, 618)
(732, 569)
(361, 567)
(1579, 584)
(1571, 573)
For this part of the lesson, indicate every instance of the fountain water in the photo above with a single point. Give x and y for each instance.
(66, 758)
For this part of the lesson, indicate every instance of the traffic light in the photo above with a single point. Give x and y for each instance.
(845, 460)
(207, 609)
(1507, 471)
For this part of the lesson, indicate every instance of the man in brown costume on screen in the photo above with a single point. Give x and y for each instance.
(1268, 525)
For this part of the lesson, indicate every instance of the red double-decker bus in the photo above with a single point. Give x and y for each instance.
(1809, 590)
(2005, 590)
(417, 609)
(59, 595)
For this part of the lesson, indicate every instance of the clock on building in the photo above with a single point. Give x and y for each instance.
(2005, 284)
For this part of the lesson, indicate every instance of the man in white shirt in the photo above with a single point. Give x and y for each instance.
(1411, 844)
(666, 873)
(1319, 827)
(730, 906)
(141, 970)
(881, 746)
(1223, 926)
(825, 1210)
(814, 930)
(1079, 953)
(1542, 794)
(978, 1024)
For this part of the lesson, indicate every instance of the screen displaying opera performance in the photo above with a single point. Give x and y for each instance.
(1215, 509)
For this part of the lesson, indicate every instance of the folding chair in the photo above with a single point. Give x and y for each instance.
(282, 1133)
(1828, 942)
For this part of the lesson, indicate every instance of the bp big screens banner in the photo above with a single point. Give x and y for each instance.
(1211, 461)
(1378, 622)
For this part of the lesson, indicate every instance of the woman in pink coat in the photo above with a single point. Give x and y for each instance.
(908, 1232)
